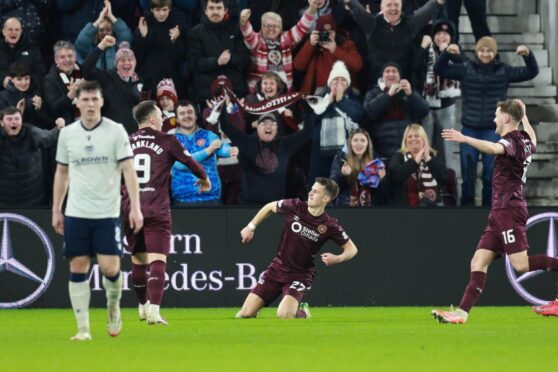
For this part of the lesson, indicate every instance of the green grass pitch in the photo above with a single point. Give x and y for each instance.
(334, 339)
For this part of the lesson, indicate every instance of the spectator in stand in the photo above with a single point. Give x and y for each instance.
(93, 33)
(60, 84)
(476, 10)
(440, 93)
(14, 47)
(325, 46)
(31, 13)
(484, 82)
(270, 86)
(287, 10)
(23, 92)
(416, 174)
(360, 181)
(205, 147)
(73, 15)
(23, 183)
(272, 48)
(159, 46)
(216, 47)
(122, 88)
(167, 99)
(391, 35)
(392, 105)
(264, 157)
(338, 114)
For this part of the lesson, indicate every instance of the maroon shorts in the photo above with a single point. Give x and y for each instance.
(506, 232)
(154, 237)
(268, 288)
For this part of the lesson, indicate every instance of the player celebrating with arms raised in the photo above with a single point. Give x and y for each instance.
(506, 231)
(154, 155)
(307, 227)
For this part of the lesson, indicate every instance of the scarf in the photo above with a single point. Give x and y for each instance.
(422, 187)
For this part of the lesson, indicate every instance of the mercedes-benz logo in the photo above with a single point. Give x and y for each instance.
(551, 251)
(10, 263)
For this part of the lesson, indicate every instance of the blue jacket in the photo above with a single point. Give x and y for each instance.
(483, 85)
(182, 186)
(85, 42)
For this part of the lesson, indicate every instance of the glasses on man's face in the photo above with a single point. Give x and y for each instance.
(271, 26)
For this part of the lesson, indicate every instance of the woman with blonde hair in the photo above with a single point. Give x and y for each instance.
(357, 172)
(415, 172)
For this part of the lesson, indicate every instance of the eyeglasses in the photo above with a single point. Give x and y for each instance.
(271, 26)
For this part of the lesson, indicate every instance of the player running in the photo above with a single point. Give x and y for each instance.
(154, 155)
(307, 227)
(506, 231)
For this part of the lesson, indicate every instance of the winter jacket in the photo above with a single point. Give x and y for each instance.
(206, 42)
(158, 57)
(388, 43)
(55, 96)
(387, 134)
(483, 85)
(11, 96)
(25, 52)
(317, 63)
(30, 12)
(260, 50)
(86, 41)
(120, 96)
(21, 165)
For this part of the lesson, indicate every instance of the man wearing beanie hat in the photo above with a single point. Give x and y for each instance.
(391, 106)
(484, 82)
(121, 87)
(317, 55)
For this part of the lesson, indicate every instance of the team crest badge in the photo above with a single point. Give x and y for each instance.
(274, 57)
(322, 229)
(200, 142)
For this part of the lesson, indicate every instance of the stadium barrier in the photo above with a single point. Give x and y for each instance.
(407, 257)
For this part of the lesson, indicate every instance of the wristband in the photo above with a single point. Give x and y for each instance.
(251, 226)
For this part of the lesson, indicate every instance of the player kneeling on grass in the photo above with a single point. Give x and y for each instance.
(307, 227)
(506, 231)
(155, 153)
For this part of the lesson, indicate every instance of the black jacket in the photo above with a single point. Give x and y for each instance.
(24, 52)
(158, 57)
(11, 96)
(206, 42)
(120, 96)
(55, 97)
(23, 183)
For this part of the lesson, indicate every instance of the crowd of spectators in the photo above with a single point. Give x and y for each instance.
(380, 79)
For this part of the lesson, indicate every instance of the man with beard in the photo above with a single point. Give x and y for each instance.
(216, 48)
(264, 157)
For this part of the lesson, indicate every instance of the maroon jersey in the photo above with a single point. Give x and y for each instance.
(154, 155)
(510, 170)
(302, 237)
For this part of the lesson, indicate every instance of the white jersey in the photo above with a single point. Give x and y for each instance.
(93, 158)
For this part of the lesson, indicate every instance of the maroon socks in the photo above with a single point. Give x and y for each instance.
(542, 262)
(156, 281)
(473, 290)
(139, 281)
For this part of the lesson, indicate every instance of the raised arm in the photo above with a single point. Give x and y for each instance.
(492, 148)
(527, 125)
(247, 233)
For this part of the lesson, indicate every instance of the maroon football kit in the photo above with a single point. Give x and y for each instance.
(506, 229)
(292, 270)
(154, 155)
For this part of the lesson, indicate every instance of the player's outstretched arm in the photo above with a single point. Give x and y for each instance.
(132, 185)
(526, 124)
(492, 148)
(247, 233)
(349, 251)
(59, 190)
